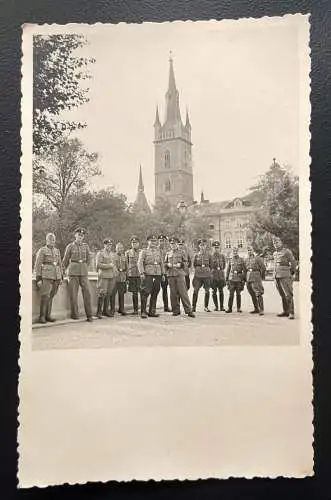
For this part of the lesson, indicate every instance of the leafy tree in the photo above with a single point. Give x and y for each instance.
(278, 212)
(64, 172)
(57, 75)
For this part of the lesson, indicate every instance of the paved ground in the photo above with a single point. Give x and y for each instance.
(207, 329)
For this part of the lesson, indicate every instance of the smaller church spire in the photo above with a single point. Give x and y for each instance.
(157, 122)
(202, 197)
(187, 124)
(140, 183)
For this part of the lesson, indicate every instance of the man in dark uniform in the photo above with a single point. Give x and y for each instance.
(187, 257)
(284, 272)
(76, 259)
(164, 283)
(133, 274)
(151, 270)
(202, 274)
(106, 285)
(48, 270)
(235, 279)
(218, 278)
(175, 265)
(255, 275)
(120, 262)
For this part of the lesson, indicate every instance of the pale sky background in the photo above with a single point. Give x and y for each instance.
(239, 80)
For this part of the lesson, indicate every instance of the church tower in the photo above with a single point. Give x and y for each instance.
(173, 150)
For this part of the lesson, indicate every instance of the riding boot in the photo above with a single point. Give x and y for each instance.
(230, 303)
(261, 305)
(112, 305)
(165, 299)
(135, 302)
(238, 302)
(194, 300)
(215, 300)
(43, 309)
(49, 311)
(207, 301)
(255, 304)
(221, 300)
(121, 304)
(105, 309)
(143, 304)
(99, 306)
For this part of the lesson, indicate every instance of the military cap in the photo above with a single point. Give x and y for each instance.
(161, 237)
(173, 239)
(216, 244)
(181, 241)
(202, 240)
(152, 237)
(80, 230)
(107, 240)
(134, 239)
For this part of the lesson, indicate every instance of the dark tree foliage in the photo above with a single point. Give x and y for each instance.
(278, 213)
(58, 72)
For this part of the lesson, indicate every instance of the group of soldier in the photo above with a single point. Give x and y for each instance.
(166, 262)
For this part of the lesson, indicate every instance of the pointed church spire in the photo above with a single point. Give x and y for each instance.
(187, 124)
(202, 198)
(157, 122)
(140, 183)
(172, 96)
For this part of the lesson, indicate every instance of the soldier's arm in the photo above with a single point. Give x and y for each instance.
(141, 262)
(61, 264)
(162, 266)
(262, 268)
(195, 260)
(292, 262)
(228, 269)
(67, 255)
(38, 264)
(88, 255)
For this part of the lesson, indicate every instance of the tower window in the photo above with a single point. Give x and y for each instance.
(167, 186)
(211, 227)
(167, 159)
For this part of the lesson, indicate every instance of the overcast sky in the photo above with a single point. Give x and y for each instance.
(239, 80)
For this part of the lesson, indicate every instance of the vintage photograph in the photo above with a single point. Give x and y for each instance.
(165, 188)
(165, 204)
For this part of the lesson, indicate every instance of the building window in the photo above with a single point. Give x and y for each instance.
(211, 227)
(238, 203)
(167, 186)
(240, 241)
(227, 241)
(167, 159)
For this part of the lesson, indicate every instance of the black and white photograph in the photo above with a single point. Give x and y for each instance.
(165, 252)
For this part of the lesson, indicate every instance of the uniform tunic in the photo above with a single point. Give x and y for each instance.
(48, 268)
(218, 266)
(132, 256)
(255, 274)
(151, 266)
(236, 272)
(107, 272)
(175, 264)
(202, 263)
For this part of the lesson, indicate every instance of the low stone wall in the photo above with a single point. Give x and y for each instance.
(61, 305)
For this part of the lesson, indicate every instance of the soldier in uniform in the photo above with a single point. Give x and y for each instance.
(48, 269)
(255, 275)
(202, 264)
(188, 260)
(133, 274)
(235, 279)
(106, 285)
(76, 259)
(284, 271)
(151, 270)
(218, 278)
(175, 264)
(120, 262)
(164, 283)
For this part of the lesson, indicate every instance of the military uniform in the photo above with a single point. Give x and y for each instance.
(202, 264)
(164, 282)
(255, 275)
(76, 259)
(175, 264)
(218, 277)
(285, 266)
(106, 285)
(133, 275)
(48, 270)
(120, 262)
(235, 277)
(188, 264)
(151, 269)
